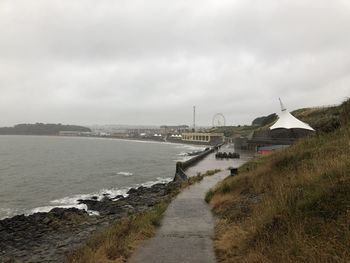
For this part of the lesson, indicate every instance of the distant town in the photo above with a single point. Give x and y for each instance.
(177, 133)
(258, 136)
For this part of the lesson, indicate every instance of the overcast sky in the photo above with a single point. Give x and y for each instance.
(148, 62)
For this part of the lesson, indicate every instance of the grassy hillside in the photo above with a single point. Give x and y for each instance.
(235, 131)
(322, 119)
(40, 129)
(325, 119)
(291, 206)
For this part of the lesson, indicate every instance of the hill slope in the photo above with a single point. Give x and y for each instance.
(322, 119)
(291, 206)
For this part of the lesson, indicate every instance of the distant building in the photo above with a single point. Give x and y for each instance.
(165, 129)
(120, 134)
(69, 133)
(74, 133)
(205, 138)
(285, 131)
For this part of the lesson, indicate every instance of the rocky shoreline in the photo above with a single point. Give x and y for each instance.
(48, 237)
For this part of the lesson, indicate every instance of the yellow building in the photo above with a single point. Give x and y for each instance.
(201, 137)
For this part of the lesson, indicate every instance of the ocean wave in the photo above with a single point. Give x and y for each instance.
(49, 208)
(125, 173)
(8, 212)
(182, 157)
(46, 209)
(159, 180)
(190, 148)
(185, 158)
(73, 201)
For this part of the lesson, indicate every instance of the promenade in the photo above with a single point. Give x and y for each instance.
(187, 228)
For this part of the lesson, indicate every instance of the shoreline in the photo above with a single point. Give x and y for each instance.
(130, 139)
(73, 200)
(66, 200)
(49, 236)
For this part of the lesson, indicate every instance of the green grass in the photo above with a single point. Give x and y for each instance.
(291, 206)
(119, 240)
(116, 243)
(209, 195)
(322, 119)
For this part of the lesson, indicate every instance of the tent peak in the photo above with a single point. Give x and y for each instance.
(288, 121)
(283, 108)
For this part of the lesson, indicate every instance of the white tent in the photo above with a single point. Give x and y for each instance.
(288, 121)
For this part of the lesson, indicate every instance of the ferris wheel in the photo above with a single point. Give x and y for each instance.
(219, 120)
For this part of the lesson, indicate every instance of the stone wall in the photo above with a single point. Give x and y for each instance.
(181, 167)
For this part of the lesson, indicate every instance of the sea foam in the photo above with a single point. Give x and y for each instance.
(73, 201)
(125, 173)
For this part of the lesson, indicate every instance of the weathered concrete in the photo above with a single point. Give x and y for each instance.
(186, 231)
(187, 228)
(210, 162)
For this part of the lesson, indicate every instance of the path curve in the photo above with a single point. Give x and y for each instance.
(186, 231)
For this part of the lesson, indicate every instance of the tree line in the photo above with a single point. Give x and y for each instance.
(41, 129)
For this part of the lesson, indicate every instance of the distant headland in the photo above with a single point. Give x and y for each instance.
(41, 129)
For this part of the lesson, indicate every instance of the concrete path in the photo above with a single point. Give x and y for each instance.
(186, 231)
(210, 163)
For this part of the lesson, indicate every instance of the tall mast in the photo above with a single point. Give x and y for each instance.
(283, 108)
(194, 118)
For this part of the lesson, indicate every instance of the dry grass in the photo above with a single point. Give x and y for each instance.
(116, 243)
(292, 206)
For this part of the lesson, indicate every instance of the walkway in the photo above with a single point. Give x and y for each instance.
(187, 227)
(186, 231)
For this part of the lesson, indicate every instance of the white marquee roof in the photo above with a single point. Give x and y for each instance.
(288, 121)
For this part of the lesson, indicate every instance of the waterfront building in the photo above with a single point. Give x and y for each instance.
(69, 133)
(288, 121)
(205, 138)
(285, 131)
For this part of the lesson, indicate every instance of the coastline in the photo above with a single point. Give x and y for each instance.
(120, 175)
(130, 139)
(49, 236)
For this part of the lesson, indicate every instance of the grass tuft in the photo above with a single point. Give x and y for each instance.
(116, 243)
(291, 206)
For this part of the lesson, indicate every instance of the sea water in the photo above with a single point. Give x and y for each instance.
(38, 173)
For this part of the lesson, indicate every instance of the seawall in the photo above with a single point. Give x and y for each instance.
(181, 167)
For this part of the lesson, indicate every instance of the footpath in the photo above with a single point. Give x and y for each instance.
(187, 228)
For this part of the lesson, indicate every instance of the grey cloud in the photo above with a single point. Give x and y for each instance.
(149, 62)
